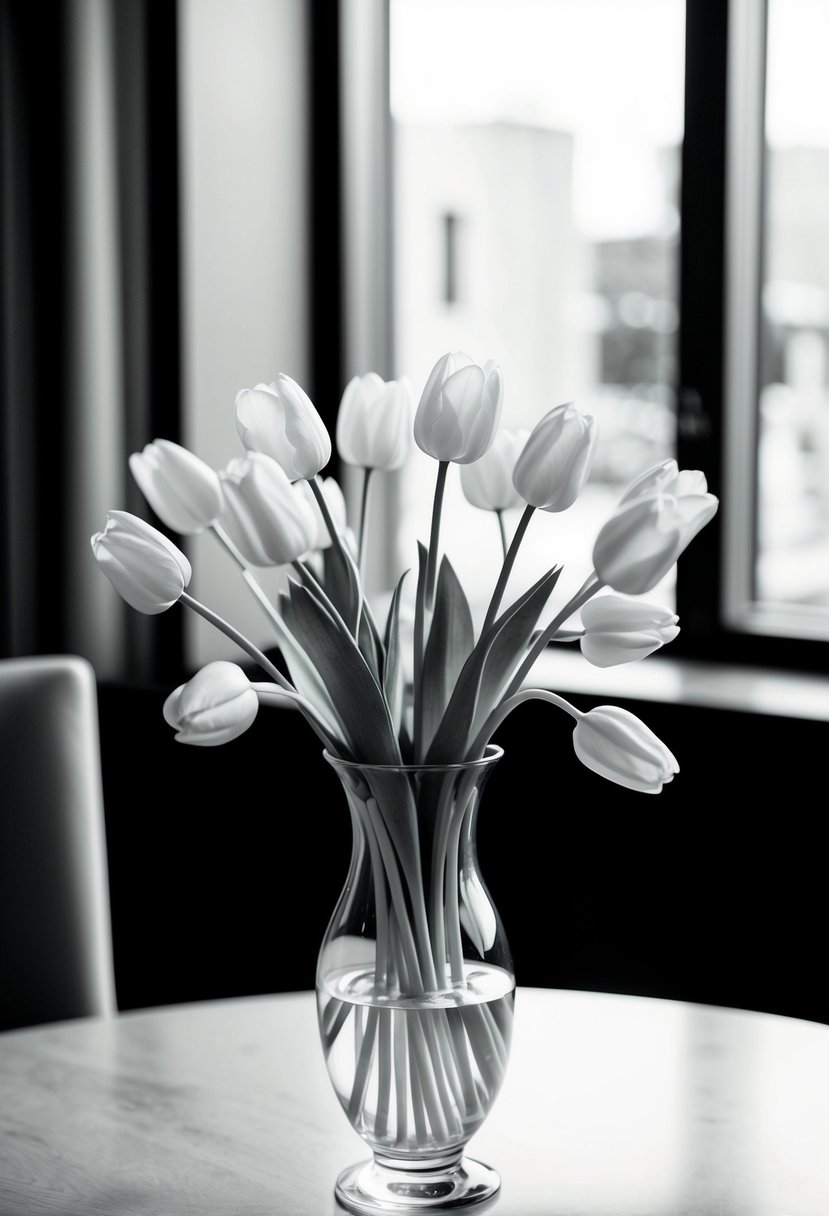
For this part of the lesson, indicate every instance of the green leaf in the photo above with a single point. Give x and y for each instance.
(451, 638)
(511, 631)
(353, 690)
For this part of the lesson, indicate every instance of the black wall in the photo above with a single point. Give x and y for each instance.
(226, 863)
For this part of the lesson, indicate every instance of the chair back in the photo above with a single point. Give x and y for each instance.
(55, 930)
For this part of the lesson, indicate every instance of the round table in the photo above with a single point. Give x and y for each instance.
(612, 1106)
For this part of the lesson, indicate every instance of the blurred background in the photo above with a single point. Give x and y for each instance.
(622, 202)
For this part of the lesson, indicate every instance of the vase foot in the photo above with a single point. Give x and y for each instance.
(372, 1186)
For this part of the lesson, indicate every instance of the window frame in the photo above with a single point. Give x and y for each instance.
(722, 201)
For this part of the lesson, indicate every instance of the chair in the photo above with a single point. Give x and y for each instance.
(55, 935)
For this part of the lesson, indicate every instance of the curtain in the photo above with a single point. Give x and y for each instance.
(90, 313)
(170, 214)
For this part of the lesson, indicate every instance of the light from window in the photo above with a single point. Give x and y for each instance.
(537, 157)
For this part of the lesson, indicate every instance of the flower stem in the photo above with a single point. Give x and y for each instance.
(235, 636)
(363, 517)
(588, 589)
(249, 577)
(322, 503)
(500, 516)
(294, 700)
(311, 716)
(232, 549)
(434, 537)
(424, 600)
(506, 568)
(506, 707)
(339, 546)
(315, 587)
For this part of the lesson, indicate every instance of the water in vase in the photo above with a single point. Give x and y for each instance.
(416, 1075)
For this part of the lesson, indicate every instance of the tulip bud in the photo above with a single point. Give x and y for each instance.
(617, 630)
(459, 409)
(556, 460)
(269, 520)
(184, 492)
(617, 745)
(144, 567)
(216, 705)
(374, 423)
(487, 483)
(645, 537)
(280, 421)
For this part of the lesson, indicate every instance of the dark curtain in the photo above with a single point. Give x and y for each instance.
(47, 48)
(34, 357)
(90, 364)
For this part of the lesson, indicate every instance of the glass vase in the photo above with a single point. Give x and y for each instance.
(415, 987)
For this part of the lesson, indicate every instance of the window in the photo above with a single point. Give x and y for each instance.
(778, 324)
(535, 218)
(633, 220)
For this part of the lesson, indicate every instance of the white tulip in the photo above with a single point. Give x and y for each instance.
(688, 486)
(143, 565)
(269, 519)
(617, 745)
(459, 409)
(618, 630)
(645, 537)
(487, 483)
(556, 459)
(280, 420)
(374, 422)
(184, 492)
(218, 704)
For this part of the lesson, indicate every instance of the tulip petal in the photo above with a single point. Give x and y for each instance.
(485, 417)
(462, 390)
(659, 478)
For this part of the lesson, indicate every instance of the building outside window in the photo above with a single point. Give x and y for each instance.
(560, 173)
(537, 161)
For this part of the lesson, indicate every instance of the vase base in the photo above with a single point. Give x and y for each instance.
(371, 1186)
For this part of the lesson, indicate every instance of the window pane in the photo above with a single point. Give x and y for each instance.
(793, 454)
(537, 155)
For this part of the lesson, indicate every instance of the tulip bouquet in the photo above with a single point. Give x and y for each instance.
(347, 672)
(411, 1084)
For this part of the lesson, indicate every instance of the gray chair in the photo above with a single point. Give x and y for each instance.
(55, 936)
